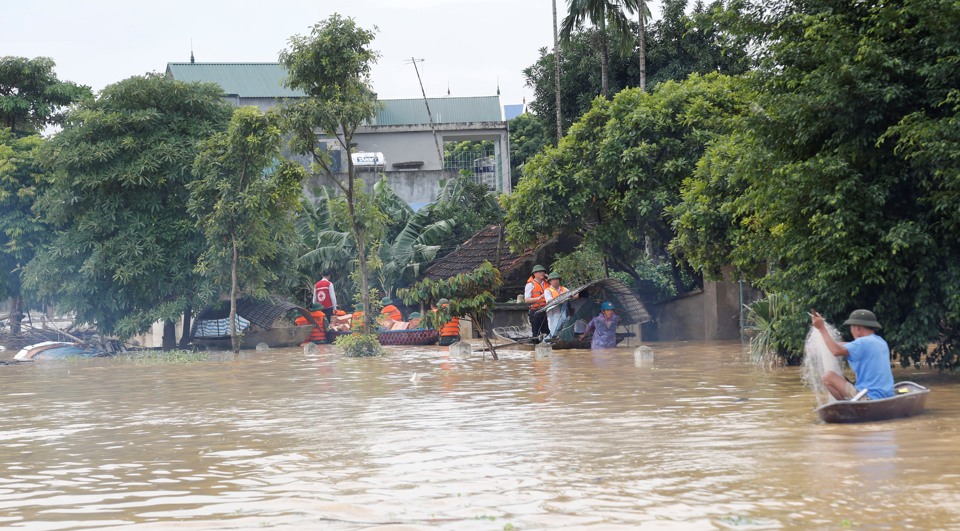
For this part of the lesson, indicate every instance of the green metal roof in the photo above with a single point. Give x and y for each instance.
(246, 80)
(444, 110)
(265, 80)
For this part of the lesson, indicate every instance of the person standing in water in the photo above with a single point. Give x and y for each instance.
(604, 328)
(868, 355)
(534, 295)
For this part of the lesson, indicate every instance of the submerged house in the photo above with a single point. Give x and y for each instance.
(404, 142)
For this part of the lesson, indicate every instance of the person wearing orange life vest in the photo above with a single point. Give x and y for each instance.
(558, 314)
(450, 331)
(390, 311)
(317, 335)
(534, 296)
(324, 297)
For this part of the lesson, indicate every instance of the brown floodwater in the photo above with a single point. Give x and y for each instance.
(698, 438)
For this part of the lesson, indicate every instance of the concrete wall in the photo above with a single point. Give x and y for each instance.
(710, 314)
(417, 188)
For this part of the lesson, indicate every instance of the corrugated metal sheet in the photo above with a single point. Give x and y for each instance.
(247, 80)
(444, 111)
(265, 80)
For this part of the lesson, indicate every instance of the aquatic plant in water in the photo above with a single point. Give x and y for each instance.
(360, 345)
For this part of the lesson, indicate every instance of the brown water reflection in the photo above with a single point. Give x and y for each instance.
(696, 439)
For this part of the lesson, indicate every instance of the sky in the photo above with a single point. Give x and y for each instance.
(468, 46)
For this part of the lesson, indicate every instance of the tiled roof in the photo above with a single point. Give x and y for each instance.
(486, 245)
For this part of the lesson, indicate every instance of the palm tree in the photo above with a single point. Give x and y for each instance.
(556, 72)
(643, 11)
(600, 13)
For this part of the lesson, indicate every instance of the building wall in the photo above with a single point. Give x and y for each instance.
(417, 188)
(710, 314)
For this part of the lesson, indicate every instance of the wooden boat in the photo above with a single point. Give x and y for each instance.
(519, 338)
(908, 399)
(415, 336)
(278, 337)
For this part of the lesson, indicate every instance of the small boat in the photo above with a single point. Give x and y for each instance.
(415, 336)
(519, 338)
(908, 400)
(59, 349)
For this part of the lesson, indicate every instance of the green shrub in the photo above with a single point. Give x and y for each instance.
(360, 345)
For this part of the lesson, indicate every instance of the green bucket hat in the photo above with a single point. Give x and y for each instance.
(554, 275)
(538, 269)
(863, 318)
(441, 302)
(386, 301)
(414, 315)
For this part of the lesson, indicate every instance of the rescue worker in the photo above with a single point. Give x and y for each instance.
(324, 297)
(533, 295)
(450, 331)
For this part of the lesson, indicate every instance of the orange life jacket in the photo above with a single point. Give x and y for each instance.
(392, 312)
(554, 293)
(451, 328)
(317, 334)
(537, 291)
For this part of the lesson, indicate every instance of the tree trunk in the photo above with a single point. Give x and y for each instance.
(642, 37)
(16, 313)
(556, 73)
(604, 62)
(187, 325)
(234, 286)
(169, 335)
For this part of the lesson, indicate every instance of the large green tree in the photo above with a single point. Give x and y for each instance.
(245, 199)
(31, 99)
(845, 175)
(332, 66)
(31, 95)
(21, 232)
(124, 247)
(618, 169)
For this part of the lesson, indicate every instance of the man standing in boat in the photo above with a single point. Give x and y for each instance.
(324, 298)
(534, 295)
(868, 355)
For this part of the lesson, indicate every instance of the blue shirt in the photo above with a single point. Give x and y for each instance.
(869, 357)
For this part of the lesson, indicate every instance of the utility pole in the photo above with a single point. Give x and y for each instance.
(433, 127)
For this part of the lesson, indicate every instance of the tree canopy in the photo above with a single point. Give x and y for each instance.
(31, 95)
(124, 246)
(244, 201)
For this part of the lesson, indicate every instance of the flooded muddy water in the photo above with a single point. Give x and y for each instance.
(698, 438)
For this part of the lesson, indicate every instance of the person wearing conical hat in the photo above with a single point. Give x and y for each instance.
(534, 296)
(868, 355)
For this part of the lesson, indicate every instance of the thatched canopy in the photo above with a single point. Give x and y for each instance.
(628, 305)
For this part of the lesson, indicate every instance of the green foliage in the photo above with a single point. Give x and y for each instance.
(773, 336)
(843, 175)
(359, 345)
(124, 247)
(21, 233)
(470, 294)
(332, 66)
(244, 202)
(619, 169)
(702, 40)
(528, 136)
(31, 96)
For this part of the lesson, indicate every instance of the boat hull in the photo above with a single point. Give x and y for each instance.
(902, 404)
(280, 337)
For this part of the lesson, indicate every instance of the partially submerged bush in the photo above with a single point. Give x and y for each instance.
(360, 345)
